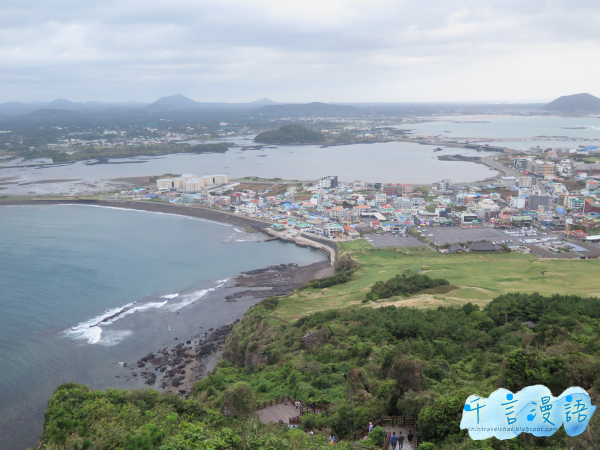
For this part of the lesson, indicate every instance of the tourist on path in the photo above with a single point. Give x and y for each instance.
(410, 438)
(370, 426)
(400, 439)
(394, 440)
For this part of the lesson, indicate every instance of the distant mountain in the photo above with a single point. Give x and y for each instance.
(571, 103)
(175, 101)
(314, 109)
(63, 103)
(18, 107)
(182, 102)
(264, 101)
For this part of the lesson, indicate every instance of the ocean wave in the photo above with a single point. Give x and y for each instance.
(91, 330)
(190, 298)
(113, 337)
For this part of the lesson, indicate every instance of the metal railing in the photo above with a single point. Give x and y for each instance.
(284, 399)
(319, 407)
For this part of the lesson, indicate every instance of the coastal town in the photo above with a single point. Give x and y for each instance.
(549, 206)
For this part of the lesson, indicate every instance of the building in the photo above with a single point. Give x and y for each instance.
(591, 185)
(328, 182)
(541, 168)
(484, 246)
(508, 181)
(517, 202)
(380, 199)
(535, 201)
(392, 189)
(165, 184)
(525, 182)
(444, 186)
(468, 218)
(187, 199)
(575, 203)
(210, 180)
(521, 221)
(558, 224)
(193, 185)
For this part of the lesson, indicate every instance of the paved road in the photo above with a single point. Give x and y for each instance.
(489, 160)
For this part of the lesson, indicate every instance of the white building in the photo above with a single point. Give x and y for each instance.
(328, 182)
(517, 202)
(508, 181)
(444, 186)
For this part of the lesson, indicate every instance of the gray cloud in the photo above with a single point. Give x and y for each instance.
(332, 50)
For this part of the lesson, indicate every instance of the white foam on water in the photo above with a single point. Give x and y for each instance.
(113, 337)
(169, 296)
(239, 231)
(187, 299)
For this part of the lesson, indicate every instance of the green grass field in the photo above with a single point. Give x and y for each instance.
(478, 278)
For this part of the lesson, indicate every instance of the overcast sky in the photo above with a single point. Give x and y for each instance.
(299, 51)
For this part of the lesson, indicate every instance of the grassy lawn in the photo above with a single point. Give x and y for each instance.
(478, 278)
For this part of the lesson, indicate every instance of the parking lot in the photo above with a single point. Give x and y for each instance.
(453, 235)
(392, 240)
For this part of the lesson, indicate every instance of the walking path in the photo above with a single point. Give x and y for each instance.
(404, 430)
(276, 412)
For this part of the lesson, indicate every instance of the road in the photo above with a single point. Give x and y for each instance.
(489, 160)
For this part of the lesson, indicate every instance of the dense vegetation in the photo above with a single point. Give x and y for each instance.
(371, 362)
(404, 285)
(219, 147)
(344, 268)
(290, 134)
(365, 362)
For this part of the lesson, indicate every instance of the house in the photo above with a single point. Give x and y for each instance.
(351, 232)
(457, 248)
(374, 224)
(484, 246)
(335, 231)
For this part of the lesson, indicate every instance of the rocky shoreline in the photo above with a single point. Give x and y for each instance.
(176, 369)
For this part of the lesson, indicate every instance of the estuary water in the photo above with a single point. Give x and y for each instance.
(482, 126)
(66, 268)
(398, 162)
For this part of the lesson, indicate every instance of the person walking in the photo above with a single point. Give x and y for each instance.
(410, 438)
(313, 405)
(331, 440)
(394, 440)
(370, 426)
(297, 404)
(400, 439)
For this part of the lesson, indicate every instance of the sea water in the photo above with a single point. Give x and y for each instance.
(398, 162)
(154, 277)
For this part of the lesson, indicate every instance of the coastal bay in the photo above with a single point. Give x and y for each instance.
(68, 268)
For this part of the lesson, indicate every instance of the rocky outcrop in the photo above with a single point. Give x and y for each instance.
(315, 336)
(256, 359)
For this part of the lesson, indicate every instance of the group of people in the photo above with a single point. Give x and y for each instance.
(396, 439)
(399, 439)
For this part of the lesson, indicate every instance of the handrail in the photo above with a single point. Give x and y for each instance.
(283, 399)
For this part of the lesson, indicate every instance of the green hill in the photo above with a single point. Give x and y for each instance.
(290, 134)
(356, 342)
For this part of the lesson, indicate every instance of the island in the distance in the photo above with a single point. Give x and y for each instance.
(290, 134)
